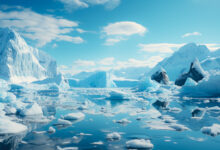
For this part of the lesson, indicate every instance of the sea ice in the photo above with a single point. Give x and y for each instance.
(31, 109)
(213, 130)
(115, 136)
(10, 127)
(139, 144)
(74, 116)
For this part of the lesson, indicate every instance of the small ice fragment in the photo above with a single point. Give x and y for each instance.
(139, 144)
(115, 136)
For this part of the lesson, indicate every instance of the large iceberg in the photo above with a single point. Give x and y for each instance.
(99, 79)
(21, 63)
(178, 63)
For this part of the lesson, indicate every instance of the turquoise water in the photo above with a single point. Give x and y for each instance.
(100, 115)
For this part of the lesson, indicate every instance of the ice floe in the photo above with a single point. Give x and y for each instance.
(139, 144)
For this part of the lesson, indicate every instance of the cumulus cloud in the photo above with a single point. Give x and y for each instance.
(115, 32)
(42, 28)
(213, 46)
(159, 47)
(80, 62)
(107, 61)
(76, 4)
(191, 34)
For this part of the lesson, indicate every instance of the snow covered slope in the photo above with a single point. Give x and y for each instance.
(22, 63)
(178, 63)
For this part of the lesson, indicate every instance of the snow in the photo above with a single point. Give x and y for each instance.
(31, 109)
(74, 116)
(10, 127)
(115, 136)
(179, 62)
(213, 130)
(20, 62)
(139, 144)
(211, 63)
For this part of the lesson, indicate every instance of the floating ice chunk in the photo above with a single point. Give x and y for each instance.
(74, 116)
(178, 127)
(67, 148)
(10, 127)
(10, 110)
(117, 95)
(139, 144)
(63, 122)
(98, 143)
(123, 121)
(31, 109)
(213, 130)
(115, 136)
(147, 85)
(51, 130)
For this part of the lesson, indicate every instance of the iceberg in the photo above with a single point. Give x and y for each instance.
(180, 60)
(139, 144)
(213, 130)
(31, 109)
(10, 127)
(115, 136)
(22, 63)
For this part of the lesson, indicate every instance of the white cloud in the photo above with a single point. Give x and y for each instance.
(126, 28)
(107, 61)
(115, 32)
(42, 28)
(76, 4)
(80, 62)
(213, 46)
(191, 34)
(159, 47)
(150, 62)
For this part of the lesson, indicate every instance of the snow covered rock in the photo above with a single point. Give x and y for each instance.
(115, 136)
(196, 72)
(180, 60)
(31, 109)
(10, 127)
(74, 116)
(20, 62)
(160, 76)
(198, 112)
(139, 144)
(182, 79)
(213, 130)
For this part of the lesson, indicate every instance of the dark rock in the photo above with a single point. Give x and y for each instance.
(160, 76)
(195, 72)
(160, 104)
(181, 80)
(198, 112)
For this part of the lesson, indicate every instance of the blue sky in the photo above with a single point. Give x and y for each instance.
(101, 34)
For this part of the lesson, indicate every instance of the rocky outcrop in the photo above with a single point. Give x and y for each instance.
(160, 76)
(195, 72)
